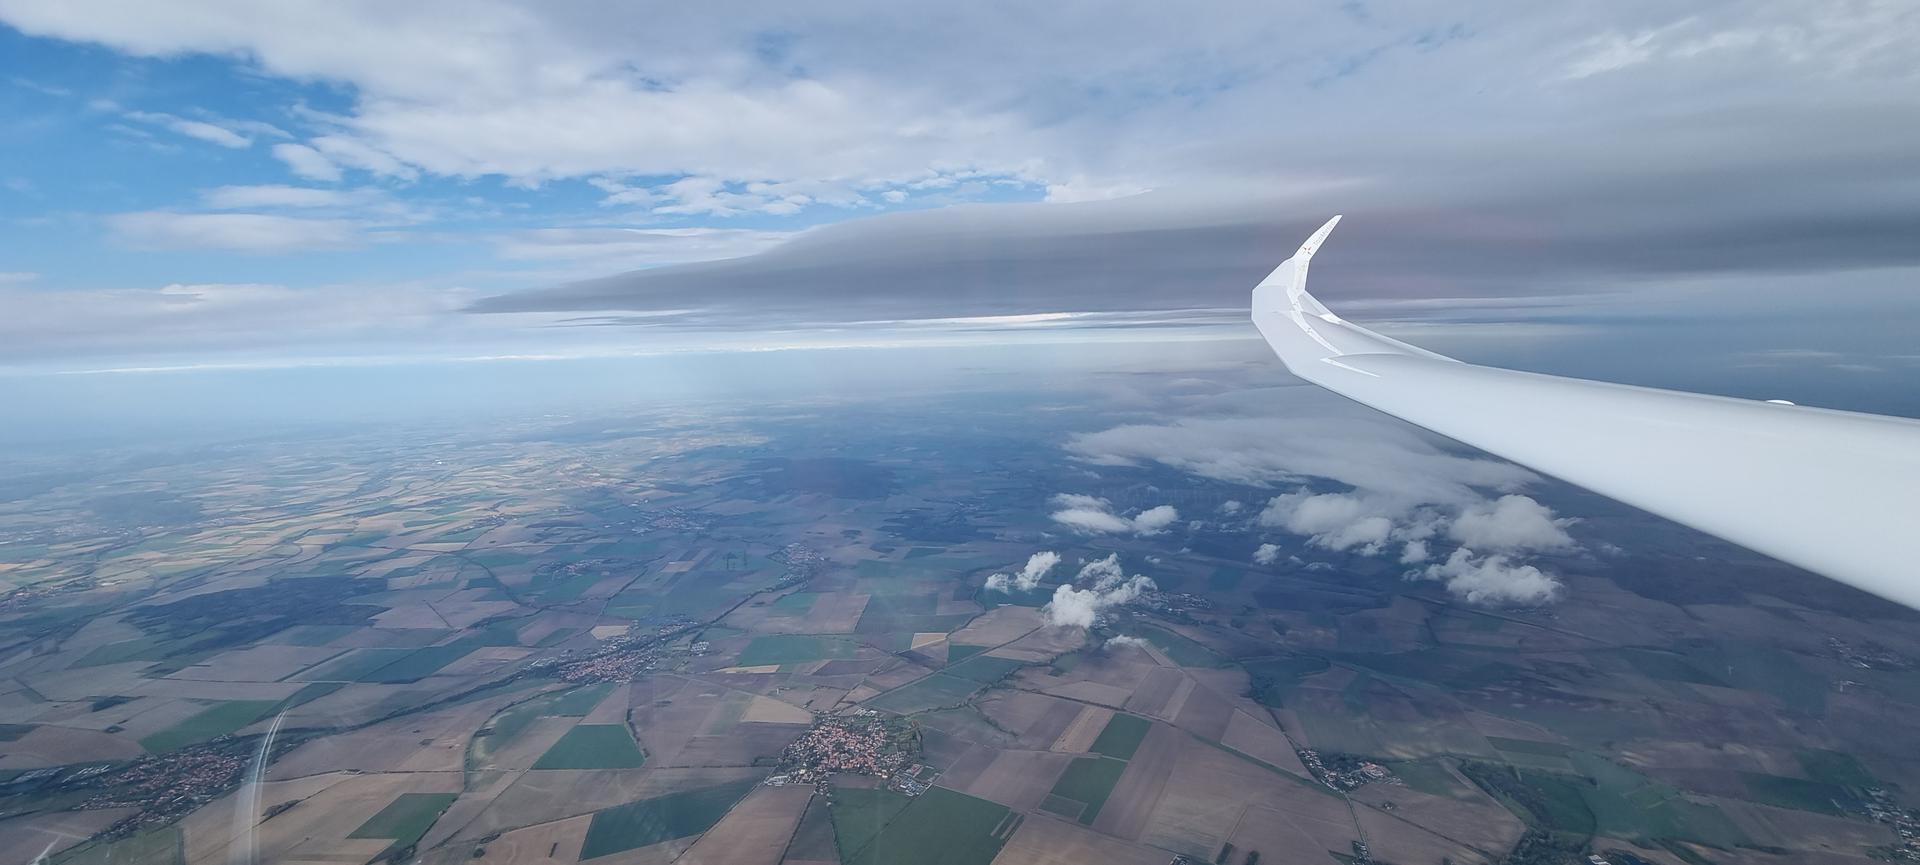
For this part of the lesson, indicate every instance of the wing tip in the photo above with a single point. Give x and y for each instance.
(1318, 237)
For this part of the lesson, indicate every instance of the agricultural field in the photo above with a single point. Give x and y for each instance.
(596, 641)
(594, 746)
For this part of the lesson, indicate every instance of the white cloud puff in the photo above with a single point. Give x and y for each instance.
(1095, 516)
(1492, 581)
(1109, 587)
(1266, 554)
(1513, 522)
(1038, 566)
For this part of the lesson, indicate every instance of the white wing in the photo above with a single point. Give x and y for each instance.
(1835, 492)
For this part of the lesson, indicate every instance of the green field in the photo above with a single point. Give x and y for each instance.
(355, 665)
(1183, 651)
(1274, 678)
(1833, 767)
(1799, 794)
(594, 746)
(793, 649)
(217, 720)
(141, 649)
(662, 818)
(511, 722)
(859, 814)
(1431, 778)
(983, 668)
(940, 827)
(1529, 746)
(796, 604)
(313, 635)
(154, 847)
(1545, 800)
(957, 652)
(932, 692)
(1122, 736)
(419, 663)
(1089, 780)
(406, 819)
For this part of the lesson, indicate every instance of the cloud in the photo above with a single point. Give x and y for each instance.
(1155, 520)
(237, 232)
(1512, 522)
(275, 196)
(1733, 111)
(1095, 516)
(1336, 521)
(307, 162)
(1404, 492)
(1126, 641)
(605, 248)
(1108, 587)
(209, 132)
(207, 319)
(1492, 581)
(1378, 457)
(1038, 566)
(1267, 554)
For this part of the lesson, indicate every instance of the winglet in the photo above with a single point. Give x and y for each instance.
(1302, 330)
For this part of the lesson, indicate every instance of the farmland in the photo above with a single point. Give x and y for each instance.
(602, 641)
(594, 746)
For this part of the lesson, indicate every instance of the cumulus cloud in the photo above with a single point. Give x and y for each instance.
(1095, 516)
(1406, 492)
(1267, 554)
(1155, 520)
(1038, 566)
(1106, 585)
(1492, 580)
(1512, 522)
(1126, 641)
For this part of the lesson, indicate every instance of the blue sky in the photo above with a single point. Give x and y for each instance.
(222, 184)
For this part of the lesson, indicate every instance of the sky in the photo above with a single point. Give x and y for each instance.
(1719, 195)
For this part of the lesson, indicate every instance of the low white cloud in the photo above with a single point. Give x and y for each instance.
(1038, 566)
(1406, 493)
(1093, 515)
(1378, 458)
(1126, 641)
(1512, 522)
(1155, 520)
(1267, 554)
(1107, 585)
(1493, 580)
